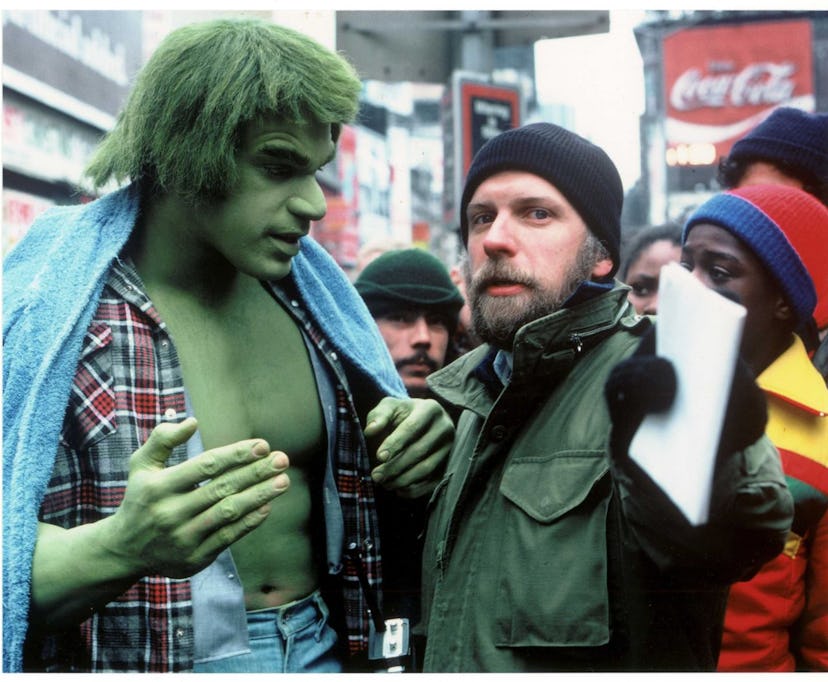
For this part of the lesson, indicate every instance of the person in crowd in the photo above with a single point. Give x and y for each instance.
(650, 249)
(187, 482)
(764, 245)
(415, 304)
(790, 147)
(548, 548)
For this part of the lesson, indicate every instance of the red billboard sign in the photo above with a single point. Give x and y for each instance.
(721, 81)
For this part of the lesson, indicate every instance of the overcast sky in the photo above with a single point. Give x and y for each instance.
(601, 77)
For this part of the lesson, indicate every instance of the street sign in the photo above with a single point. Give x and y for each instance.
(478, 111)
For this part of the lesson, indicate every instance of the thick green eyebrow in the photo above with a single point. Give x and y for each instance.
(293, 157)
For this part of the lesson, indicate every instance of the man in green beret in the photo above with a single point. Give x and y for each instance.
(415, 304)
(410, 295)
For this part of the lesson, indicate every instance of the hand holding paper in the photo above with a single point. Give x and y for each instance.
(699, 332)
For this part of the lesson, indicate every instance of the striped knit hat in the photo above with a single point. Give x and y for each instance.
(787, 229)
(580, 170)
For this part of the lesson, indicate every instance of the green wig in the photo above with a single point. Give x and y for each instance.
(180, 128)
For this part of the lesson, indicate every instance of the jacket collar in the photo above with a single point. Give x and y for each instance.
(547, 345)
(543, 349)
(793, 378)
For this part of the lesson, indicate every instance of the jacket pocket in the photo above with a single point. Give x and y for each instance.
(553, 566)
(90, 416)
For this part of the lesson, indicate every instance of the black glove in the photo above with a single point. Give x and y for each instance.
(646, 383)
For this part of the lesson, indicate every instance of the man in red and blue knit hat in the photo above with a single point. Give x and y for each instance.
(765, 245)
(547, 548)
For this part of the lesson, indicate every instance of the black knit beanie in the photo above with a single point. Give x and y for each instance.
(580, 170)
(409, 278)
(790, 136)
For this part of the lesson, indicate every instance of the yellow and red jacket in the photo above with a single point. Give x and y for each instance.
(778, 620)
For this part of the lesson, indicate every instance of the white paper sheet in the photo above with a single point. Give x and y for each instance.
(699, 331)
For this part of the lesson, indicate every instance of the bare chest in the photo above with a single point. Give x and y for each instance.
(248, 374)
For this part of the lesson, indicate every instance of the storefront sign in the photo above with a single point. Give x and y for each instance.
(486, 111)
(87, 56)
(43, 143)
(19, 211)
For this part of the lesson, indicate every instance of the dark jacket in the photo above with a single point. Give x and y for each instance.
(545, 553)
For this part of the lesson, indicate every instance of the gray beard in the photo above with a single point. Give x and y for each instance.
(496, 320)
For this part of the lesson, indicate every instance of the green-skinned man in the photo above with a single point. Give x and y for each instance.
(202, 420)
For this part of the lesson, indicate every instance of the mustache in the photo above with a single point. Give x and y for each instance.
(495, 272)
(420, 358)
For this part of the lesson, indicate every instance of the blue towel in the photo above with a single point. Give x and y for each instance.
(52, 281)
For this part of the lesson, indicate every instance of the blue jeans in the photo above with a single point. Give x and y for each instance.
(294, 638)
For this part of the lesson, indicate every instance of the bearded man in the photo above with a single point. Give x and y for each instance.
(547, 548)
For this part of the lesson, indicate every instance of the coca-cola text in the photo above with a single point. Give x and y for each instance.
(757, 84)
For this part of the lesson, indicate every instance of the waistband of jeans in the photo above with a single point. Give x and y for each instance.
(315, 597)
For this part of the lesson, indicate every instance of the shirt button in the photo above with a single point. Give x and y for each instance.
(231, 576)
(333, 356)
(498, 433)
(170, 413)
(179, 632)
(294, 303)
(165, 344)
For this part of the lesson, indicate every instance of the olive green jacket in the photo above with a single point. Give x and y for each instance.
(544, 553)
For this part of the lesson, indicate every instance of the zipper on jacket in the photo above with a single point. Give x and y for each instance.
(577, 343)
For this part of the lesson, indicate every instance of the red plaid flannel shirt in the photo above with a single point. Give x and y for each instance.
(128, 380)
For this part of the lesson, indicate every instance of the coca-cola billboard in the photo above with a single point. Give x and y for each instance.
(721, 81)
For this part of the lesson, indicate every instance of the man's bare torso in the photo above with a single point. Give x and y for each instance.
(248, 375)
